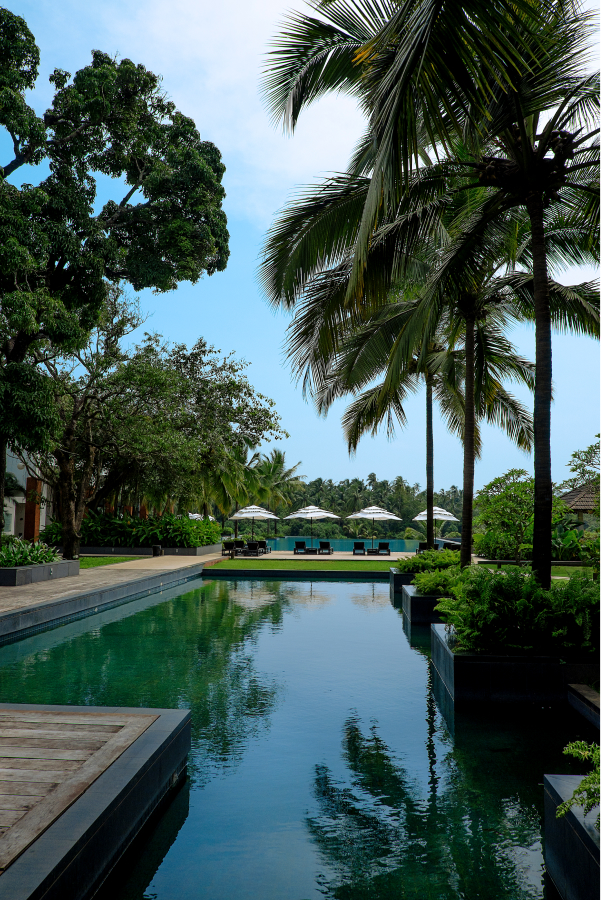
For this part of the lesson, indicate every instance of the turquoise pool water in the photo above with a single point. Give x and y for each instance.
(287, 543)
(321, 764)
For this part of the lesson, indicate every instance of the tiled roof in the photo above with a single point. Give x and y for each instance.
(582, 499)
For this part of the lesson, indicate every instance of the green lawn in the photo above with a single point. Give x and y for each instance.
(263, 562)
(556, 571)
(90, 562)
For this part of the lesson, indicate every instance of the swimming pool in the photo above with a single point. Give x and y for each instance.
(321, 765)
(287, 543)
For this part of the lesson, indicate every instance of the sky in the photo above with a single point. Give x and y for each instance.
(210, 56)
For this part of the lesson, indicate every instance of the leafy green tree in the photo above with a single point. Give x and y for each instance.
(59, 248)
(584, 466)
(148, 421)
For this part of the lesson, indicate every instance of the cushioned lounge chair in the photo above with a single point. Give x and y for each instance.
(300, 546)
(325, 547)
(239, 546)
(252, 548)
(384, 547)
(423, 545)
(359, 548)
(227, 547)
(263, 548)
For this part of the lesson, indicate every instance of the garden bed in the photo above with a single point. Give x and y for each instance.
(571, 842)
(419, 608)
(15, 576)
(478, 677)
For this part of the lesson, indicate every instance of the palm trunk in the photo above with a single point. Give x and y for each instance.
(3, 445)
(468, 447)
(543, 486)
(429, 466)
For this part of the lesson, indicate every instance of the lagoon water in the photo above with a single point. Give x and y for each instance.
(321, 764)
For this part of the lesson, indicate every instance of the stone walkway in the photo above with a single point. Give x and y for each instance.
(28, 595)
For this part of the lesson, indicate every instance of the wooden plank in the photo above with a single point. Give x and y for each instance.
(71, 718)
(36, 820)
(95, 728)
(50, 743)
(32, 776)
(24, 788)
(9, 817)
(55, 733)
(41, 753)
(15, 801)
(61, 765)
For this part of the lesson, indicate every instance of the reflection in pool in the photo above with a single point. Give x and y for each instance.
(321, 764)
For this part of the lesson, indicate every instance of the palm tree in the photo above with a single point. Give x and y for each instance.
(277, 485)
(425, 79)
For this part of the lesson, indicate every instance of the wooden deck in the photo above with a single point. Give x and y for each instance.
(47, 760)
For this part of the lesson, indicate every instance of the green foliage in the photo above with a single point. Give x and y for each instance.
(508, 612)
(429, 560)
(586, 794)
(18, 552)
(99, 530)
(584, 466)
(438, 581)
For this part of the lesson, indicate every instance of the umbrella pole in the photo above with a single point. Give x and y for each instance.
(311, 534)
(372, 533)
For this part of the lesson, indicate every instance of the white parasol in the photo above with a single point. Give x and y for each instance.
(312, 512)
(253, 512)
(373, 513)
(438, 514)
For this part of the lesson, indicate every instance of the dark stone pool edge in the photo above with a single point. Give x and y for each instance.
(288, 574)
(19, 623)
(571, 842)
(74, 855)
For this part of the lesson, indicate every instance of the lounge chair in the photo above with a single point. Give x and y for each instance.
(239, 546)
(300, 546)
(227, 548)
(384, 547)
(359, 548)
(252, 548)
(423, 545)
(263, 548)
(325, 547)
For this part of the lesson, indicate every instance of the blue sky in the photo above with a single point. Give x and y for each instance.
(210, 56)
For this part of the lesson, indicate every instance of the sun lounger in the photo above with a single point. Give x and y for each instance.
(325, 547)
(384, 548)
(300, 546)
(239, 546)
(228, 547)
(263, 548)
(252, 548)
(423, 545)
(359, 548)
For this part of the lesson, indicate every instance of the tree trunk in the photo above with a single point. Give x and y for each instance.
(543, 486)
(468, 447)
(429, 466)
(3, 444)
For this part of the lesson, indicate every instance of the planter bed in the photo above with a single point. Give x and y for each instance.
(15, 576)
(398, 579)
(477, 677)
(147, 551)
(586, 701)
(419, 608)
(571, 843)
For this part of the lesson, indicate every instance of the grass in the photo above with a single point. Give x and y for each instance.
(368, 565)
(90, 562)
(556, 571)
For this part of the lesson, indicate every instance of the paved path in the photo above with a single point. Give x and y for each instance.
(14, 598)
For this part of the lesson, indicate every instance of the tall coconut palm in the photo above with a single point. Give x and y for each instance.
(277, 485)
(493, 101)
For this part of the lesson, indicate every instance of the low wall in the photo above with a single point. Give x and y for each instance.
(147, 551)
(419, 608)
(16, 576)
(398, 579)
(571, 842)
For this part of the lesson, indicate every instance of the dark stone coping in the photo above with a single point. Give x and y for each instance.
(147, 551)
(571, 842)
(289, 574)
(18, 623)
(478, 677)
(586, 701)
(16, 576)
(398, 579)
(419, 608)
(74, 855)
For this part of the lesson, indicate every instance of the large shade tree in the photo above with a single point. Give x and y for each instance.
(61, 243)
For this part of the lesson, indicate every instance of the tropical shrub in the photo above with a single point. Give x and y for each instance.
(429, 560)
(100, 530)
(509, 612)
(586, 794)
(21, 553)
(438, 581)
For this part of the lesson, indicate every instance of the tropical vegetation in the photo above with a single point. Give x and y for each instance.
(101, 530)
(429, 561)
(586, 794)
(18, 552)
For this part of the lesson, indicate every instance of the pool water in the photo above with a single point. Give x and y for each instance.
(321, 765)
(341, 544)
